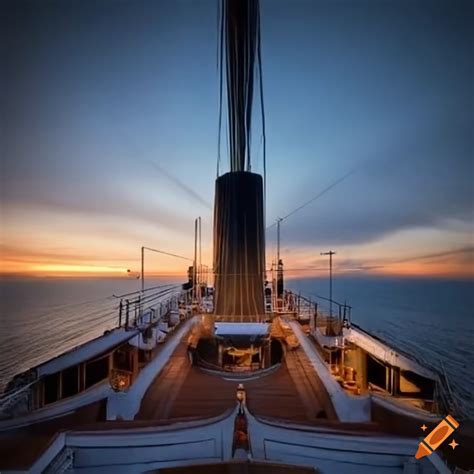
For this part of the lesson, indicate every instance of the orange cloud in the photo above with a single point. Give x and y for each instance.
(82, 263)
(458, 263)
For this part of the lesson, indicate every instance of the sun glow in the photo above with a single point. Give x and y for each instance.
(65, 268)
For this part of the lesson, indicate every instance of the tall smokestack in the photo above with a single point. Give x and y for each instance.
(239, 247)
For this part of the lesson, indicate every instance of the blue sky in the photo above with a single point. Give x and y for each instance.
(110, 130)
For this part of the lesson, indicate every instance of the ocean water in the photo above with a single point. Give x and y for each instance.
(431, 319)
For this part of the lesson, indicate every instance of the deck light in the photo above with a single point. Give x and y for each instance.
(119, 380)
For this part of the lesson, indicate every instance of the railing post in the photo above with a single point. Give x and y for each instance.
(120, 313)
(127, 314)
(137, 310)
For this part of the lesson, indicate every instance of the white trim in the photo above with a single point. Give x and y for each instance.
(398, 406)
(386, 353)
(203, 441)
(125, 405)
(241, 329)
(59, 408)
(351, 408)
(48, 456)
(86, 351)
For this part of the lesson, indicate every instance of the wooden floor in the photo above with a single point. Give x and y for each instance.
(293, 392)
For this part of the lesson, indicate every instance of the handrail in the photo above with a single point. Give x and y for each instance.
(342, 305)
(344, 310)
(145, 290)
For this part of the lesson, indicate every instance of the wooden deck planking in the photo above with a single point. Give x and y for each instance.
(293, 392)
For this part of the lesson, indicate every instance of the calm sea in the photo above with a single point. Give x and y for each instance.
(432, 319)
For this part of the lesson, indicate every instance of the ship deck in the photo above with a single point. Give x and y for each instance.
(293, 392)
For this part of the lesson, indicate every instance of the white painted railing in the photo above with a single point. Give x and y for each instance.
(135, 450)
(125, 405)
(349, 408)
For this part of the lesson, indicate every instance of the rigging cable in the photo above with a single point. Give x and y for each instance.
(324, 191)
(220, 47)
(240, 33)
(262, 109)
(167, 253)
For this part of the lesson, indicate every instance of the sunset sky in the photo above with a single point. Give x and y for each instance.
(109, 134)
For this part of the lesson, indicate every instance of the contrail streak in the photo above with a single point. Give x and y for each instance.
(187, 189)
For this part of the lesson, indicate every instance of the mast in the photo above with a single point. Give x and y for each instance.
(195, 259)
(239, 232)
(330, 253)
(278, 239)
(200, 276)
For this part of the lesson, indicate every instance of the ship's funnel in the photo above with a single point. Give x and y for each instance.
(239, 247)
